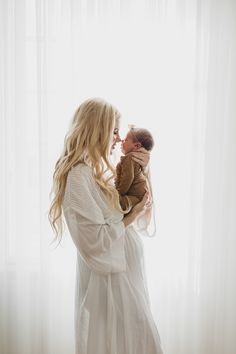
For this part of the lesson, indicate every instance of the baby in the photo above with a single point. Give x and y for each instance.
(131, 182)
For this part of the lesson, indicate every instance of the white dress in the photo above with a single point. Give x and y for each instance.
(112, 308)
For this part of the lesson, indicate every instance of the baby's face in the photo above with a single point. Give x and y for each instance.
(127, 145)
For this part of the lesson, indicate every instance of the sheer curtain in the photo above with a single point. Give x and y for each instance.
(168, 66)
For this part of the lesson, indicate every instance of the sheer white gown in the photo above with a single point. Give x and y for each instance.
(112, 308)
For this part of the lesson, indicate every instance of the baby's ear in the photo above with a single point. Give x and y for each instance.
(138, 146)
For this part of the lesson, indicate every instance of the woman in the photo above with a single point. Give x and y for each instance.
(112, 309)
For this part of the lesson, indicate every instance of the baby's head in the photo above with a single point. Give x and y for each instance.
(137, 138)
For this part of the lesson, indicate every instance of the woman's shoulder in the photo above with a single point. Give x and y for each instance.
(81, 169)
(81, 181)
(81, 174)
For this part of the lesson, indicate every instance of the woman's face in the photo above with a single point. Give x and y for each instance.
(116, 134)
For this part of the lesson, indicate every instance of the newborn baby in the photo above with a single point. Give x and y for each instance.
(131, 182)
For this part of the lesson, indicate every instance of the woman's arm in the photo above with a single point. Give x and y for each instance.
(98, 238)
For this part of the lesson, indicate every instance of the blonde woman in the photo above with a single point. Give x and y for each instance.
(112, 309)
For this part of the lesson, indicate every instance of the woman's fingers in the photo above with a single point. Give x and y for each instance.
(146, 197)
(142, 156)
(136, 159)
(144, 205)
(148, 205)
(143, 150)
(136, 156)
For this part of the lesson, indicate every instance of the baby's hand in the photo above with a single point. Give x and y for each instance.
(142, 156)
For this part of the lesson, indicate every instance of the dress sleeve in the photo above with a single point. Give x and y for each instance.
(99, 240)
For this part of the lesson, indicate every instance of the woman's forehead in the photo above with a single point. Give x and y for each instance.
(117, 123)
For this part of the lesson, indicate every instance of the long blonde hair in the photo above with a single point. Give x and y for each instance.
(89, 140)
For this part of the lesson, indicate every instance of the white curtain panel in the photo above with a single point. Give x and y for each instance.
(169, 66)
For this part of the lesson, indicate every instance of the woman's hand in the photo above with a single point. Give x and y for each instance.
(142, 156)
(139, 208)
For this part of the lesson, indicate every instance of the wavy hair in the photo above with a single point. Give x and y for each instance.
(88, 140)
